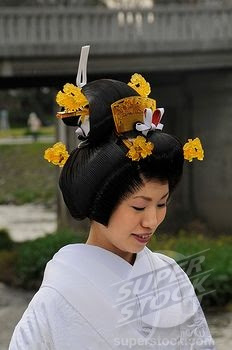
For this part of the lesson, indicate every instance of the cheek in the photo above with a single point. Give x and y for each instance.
(121, 216)
(127, 218)
(162, 215)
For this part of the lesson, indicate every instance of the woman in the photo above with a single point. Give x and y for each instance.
(113, 292)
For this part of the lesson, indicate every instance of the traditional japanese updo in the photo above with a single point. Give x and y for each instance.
(98, 174)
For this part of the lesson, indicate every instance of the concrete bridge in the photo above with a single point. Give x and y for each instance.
(185, 50)
(46, 40)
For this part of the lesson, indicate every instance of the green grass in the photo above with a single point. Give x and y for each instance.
(20, 132)
(25, 176)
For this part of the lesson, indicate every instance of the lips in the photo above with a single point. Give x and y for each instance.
(143, 237)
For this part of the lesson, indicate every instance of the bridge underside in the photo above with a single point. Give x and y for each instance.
(37, 67)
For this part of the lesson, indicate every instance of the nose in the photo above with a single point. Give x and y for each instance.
(150, 219)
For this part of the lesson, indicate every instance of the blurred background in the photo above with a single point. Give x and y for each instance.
(184, 49)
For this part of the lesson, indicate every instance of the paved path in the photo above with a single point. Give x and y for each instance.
(220, 325)
(23, 222)
(25, 139)
(13, 302)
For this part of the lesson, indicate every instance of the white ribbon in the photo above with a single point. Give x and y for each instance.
(84, 129)
(147, 124)
(81, 79)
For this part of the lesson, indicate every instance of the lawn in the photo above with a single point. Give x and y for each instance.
(19, 132)
(25, 176)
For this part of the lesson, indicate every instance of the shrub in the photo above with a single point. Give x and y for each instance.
(6, 242)
(8, 261)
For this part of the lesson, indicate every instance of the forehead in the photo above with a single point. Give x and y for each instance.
(151, 190)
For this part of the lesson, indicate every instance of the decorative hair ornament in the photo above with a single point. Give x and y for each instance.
(72, 99)
(138, 148)
(74, 103)
(81, 78)
(137, 113)
(193, 149)
(151, 121)
(140, 85)
(130, 113)
(57, 154)
(130, 110)
(83, 128)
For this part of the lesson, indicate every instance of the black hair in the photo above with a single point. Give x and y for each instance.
(97, 177)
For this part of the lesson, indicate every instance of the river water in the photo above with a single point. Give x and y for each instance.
(27, 221)
(32, 221)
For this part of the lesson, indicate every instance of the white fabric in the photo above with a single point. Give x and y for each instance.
(147, 124)
(81, 78)
(88, 294)
(84, 128)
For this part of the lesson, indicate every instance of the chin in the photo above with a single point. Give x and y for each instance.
(137, 249)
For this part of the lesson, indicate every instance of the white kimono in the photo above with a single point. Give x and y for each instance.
(91, 298)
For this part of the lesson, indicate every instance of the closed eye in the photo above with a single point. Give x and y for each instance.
(139, 209)
(162, 205)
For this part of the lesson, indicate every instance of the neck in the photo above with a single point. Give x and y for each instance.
(129, 257)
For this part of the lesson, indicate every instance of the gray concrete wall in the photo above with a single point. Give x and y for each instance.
(212, 121)
(202, 106)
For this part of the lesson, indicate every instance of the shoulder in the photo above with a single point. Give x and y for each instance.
(166, 259)
(61, 265)
(169, 275)
(161, 259)
(44, 305)
(47, 316)
(163, 262)
(69, 249)
(70, 253)
(32, 330)
(48, 299)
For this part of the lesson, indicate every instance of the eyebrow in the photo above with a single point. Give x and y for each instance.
(150, 199)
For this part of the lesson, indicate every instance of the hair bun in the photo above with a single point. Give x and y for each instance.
(100, 95)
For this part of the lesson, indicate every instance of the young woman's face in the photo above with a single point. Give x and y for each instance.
(133, 222)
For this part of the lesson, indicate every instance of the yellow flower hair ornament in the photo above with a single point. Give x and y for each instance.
(57, 154)
(73, 101)
(140, 85)
(193, 149)
(138, 148)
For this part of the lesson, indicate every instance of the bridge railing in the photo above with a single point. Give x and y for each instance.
(55, 30)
